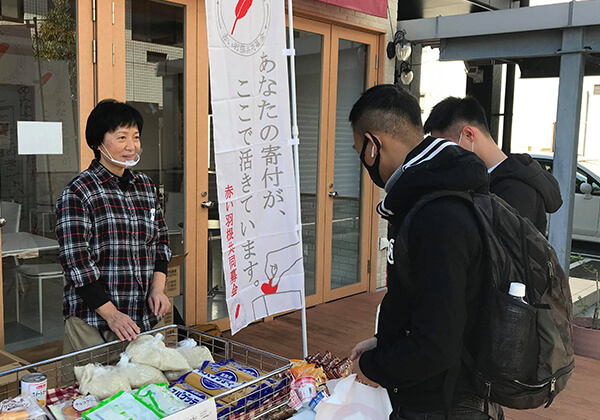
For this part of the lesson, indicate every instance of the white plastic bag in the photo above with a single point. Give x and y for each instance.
(153, 352)
(195, 355)
(100, 381)
(160, 399)
(138, 374)
(351, 400)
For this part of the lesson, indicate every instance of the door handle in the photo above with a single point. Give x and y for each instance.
(2, 222)
(333, 194)
(207, 204)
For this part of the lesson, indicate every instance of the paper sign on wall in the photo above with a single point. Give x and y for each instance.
(39, 138)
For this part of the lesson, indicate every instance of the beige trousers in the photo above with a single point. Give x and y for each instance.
(79, 335)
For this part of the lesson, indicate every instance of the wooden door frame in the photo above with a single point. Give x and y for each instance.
(202, 145)
(366, 206)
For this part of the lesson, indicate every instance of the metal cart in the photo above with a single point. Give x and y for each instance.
(59, 370)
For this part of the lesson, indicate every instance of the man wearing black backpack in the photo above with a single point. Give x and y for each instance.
(516, 178)
(435, 278)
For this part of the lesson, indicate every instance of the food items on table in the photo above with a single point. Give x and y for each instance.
(36, 386)
(73, 408)
(333, 367)
(122, 406)
(321, 395)
(305, 388)
(310, 369)
(152, 351)
(100, 381)
(190, 396)
(267, 387)
(139, 374)
(160, 398)
(195, 354)
(22, 407)
(213, 379)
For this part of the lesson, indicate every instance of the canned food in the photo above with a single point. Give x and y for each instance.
(36, 386)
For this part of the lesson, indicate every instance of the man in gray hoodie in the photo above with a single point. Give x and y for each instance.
(517, 178)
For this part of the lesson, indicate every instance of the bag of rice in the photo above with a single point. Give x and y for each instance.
(153, 352)
(100, 381)
(195, 355)
(139, 374)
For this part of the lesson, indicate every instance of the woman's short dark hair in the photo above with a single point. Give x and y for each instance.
(106, 117)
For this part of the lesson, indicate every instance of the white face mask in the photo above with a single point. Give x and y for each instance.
(472, 143)
(126, 164)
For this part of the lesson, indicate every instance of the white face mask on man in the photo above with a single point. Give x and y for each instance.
(472, 143)
(126, 164)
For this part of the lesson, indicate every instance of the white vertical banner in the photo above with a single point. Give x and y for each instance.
(258, 209)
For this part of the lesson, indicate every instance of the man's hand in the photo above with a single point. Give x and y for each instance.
(362, 347)
(158, 302)
(118, 322)
(360, 377)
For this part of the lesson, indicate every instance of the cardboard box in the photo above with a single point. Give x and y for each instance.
(9, 361)
(173, 283)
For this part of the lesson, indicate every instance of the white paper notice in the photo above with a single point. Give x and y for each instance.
(39, 138)
(206, 410)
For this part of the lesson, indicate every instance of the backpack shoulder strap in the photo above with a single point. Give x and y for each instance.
(401, 255)
(401, 240)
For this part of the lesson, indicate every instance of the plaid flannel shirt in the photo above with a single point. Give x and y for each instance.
(114, 236)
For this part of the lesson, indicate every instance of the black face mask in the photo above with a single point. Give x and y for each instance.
(374, 169)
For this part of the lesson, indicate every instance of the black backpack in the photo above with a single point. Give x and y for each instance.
(526, 353)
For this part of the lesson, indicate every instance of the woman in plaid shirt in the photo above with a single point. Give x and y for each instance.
(114, 245)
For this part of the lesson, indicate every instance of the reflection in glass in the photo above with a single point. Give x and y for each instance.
(154, 59)
(217, 306)
(345, 248)
(38, 83)
(309, 59)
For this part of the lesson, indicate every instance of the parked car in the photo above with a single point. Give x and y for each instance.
(586, 214)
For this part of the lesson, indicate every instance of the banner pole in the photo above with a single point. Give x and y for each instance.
(296, 140)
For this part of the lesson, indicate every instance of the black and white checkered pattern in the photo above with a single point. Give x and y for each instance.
(114, 235)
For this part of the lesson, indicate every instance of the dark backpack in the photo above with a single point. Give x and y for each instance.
(526, 353)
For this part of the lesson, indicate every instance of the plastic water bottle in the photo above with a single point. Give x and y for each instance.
(517, 290)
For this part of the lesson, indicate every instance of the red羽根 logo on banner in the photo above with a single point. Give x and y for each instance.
(243, 25)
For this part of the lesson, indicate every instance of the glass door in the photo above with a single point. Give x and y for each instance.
(333, 67)
(39, 154)
(147, 58)
(312, 42)
(347, 212)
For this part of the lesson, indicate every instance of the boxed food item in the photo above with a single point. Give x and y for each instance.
(173, 283)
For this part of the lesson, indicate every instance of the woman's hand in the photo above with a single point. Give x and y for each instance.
(158, 302)
(118, 322)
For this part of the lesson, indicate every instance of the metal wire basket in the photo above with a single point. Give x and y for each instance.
(234, 404)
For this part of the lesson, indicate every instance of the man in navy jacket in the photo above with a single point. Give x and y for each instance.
(435, 279)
